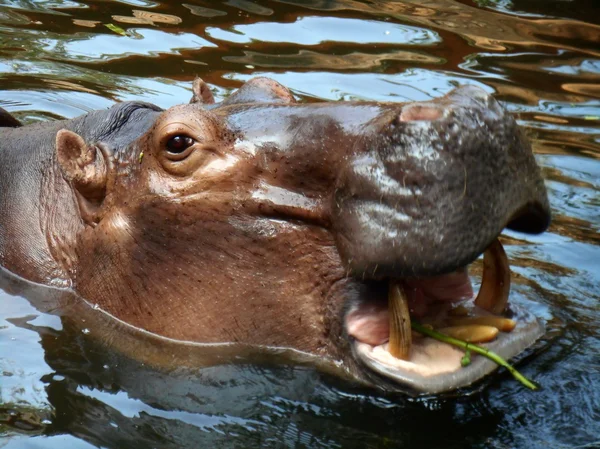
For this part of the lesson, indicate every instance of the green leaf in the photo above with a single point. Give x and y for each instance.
(475, 348)
(115, 29)
(466, 360)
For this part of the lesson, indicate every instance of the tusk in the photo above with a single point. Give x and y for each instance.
(500, 323)
(472, 333)
(495, 282)
(400, 331)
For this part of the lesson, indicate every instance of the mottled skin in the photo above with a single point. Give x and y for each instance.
(273, 221)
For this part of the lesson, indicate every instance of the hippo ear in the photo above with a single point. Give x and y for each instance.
(7, 120)
(84, 167)
(202, 93)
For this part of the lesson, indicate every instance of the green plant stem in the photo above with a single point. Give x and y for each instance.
(475, 348)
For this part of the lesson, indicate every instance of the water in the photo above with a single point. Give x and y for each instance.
(60, 387)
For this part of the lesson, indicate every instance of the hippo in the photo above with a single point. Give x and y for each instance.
(271, 223)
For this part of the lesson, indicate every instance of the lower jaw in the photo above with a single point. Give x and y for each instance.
(430, 366)
(435, 367)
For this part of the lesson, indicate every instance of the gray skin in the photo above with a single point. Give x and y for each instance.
(274, 221)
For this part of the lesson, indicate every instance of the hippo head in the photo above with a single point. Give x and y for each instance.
(265, 222)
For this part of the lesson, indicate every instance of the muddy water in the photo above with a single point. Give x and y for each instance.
(59, 387)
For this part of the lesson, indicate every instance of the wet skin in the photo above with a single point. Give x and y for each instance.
(259, 220)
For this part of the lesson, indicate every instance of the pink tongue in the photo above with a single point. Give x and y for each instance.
(369, 322)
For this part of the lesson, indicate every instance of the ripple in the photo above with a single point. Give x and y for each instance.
(311, 60)
(67, 91)
(43, 6)
(108, 47)
(204, 12)
(93, 47)
(250, 7)
(315, 30)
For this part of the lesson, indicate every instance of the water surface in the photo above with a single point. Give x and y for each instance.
(60, 387)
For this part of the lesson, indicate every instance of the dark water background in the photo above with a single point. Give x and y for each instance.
(60, 389)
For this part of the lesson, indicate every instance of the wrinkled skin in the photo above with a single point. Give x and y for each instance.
(259, 220)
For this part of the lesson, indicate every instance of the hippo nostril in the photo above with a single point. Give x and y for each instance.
(420, 112)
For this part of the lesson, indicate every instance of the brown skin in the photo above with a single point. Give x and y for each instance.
(249, 267)
(251, 220)
(228, 255)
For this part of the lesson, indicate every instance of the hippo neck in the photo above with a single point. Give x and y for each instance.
(37, 210)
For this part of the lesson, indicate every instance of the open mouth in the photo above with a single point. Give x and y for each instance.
(385, 343)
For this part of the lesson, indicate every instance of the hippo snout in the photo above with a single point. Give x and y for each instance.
(435, 188)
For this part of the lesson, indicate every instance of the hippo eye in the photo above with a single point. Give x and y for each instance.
(179, 143)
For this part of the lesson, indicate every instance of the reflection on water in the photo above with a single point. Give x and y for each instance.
(308, 31)
(60, 387)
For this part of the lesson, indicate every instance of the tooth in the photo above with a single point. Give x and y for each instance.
(472, 333)
(500, 323)
(495, 282)
(400, 332)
